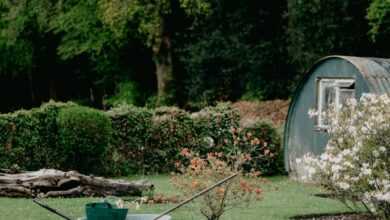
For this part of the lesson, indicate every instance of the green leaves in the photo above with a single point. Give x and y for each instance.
(149, 141)
(196, 7)
(84, 136)
(152, 16)
(29, 138)
(81, 29)
(320, 28)
(83, 26)
(378, 15)
(22, 16)
(127, 139)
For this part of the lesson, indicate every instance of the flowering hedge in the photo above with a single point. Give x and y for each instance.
(356, 163)
(131, 134)
(150, 140)
(127, 139)
(213, 126)
(262, 142)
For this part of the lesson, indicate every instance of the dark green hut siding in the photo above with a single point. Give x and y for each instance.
(300, 133)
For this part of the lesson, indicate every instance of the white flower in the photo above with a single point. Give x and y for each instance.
(344, 185)
(209, 141)
(348, 164)
(312, 113)
(311, 171)
(144, 199)
(120, 203)
(346, 152)
(336, 168)
(385, 196)
(365, 170)
(349, 160)
(324, 156)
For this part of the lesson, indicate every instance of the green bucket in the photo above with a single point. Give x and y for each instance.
(104, 211)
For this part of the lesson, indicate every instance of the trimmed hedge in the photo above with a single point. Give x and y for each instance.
(126, 139)
(213, 126)
(131, 135)
(172, 130)
(150, 141)
(29, 138)
(83, 138)
(19, 137)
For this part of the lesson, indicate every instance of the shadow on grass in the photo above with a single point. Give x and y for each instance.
(336, 216)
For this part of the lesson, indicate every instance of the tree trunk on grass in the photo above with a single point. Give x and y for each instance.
(56, 183)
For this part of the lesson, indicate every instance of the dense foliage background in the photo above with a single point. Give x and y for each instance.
(189, 53)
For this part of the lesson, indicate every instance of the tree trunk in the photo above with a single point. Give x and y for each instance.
(92, 96)
(52, 89)
(31, 87)
(164, 77)
(162, 56)
(56, 183)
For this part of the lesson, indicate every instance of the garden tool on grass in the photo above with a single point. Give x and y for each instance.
(105, 211)
(51, 209)
(208, 189)
(94, 211)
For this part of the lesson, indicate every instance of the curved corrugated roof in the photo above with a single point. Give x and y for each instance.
(375, 70)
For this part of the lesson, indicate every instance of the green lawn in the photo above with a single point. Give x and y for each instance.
(283, 198)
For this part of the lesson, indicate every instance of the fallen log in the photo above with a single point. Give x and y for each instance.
(55, 183)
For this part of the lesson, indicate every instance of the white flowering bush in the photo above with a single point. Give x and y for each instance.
(356, 163)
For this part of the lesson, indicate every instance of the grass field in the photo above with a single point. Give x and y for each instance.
(283, 198)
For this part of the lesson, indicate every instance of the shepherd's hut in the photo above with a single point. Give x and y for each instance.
(329, 82)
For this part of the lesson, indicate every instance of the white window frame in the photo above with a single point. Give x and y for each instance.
(339, 84)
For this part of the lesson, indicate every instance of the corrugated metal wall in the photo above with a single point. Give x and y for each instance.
(301, 136)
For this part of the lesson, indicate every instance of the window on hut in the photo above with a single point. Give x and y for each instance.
(332, 93)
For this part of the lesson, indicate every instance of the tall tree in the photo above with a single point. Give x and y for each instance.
(93, 27)
(58, 41)
(106, 21)
(21, 28)
(157, 22)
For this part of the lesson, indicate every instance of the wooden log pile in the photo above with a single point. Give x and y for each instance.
(55, 183)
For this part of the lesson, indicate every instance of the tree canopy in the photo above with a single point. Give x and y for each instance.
(185, 52)
(379, 18)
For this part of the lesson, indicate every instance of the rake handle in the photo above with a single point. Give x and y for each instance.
(196, 196)
(51, 209)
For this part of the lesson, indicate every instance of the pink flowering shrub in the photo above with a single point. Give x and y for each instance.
(262, 142)
(356, 163)
(201, 173)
